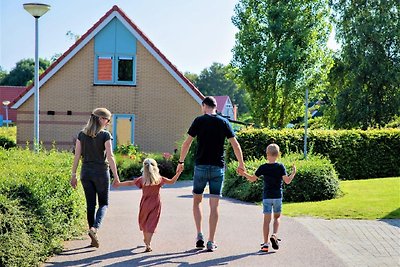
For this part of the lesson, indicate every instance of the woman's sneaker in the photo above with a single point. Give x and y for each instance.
(93, 237)
(200, 241)
(211, 246)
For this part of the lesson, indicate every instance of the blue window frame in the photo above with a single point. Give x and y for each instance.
(115, 55)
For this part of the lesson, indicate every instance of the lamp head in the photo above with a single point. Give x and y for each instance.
(6, 102)
(36, 9)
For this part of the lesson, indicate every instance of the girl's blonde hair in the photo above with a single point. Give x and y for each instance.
(93, 126)
(273, 150)
(151, 173)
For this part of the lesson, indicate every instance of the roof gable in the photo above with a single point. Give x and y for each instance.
(114, 12)
(221, 102)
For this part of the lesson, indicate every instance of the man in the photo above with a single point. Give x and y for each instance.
(211, 131)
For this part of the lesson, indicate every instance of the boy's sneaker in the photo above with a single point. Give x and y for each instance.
(275, 242)
(211, 246)
(200, 241)
(264, 247)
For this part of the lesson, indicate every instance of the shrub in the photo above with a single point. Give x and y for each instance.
(40, 203)
(315, 180)
(7, 143)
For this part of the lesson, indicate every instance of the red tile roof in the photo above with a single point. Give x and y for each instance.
(9, 93)
(147, 40)
(221, 101)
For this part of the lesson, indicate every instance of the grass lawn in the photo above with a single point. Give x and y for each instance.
(361, 199)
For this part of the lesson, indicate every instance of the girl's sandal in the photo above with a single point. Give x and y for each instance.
(148, 249)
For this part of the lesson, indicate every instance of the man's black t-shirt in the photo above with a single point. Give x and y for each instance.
(272, 175)
(211, 132)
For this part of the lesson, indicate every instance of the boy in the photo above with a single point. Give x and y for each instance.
(273, 174)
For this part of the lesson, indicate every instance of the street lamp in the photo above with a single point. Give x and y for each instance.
(36, 10)
(6, 103)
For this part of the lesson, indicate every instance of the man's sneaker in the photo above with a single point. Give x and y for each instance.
(275, 242)
(200, 241)
(211, 246)
(264, 247)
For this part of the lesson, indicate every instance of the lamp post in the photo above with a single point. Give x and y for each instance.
(6, 103)
(36, 10)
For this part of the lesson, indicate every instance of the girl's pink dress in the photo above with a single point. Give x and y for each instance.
(150, 205)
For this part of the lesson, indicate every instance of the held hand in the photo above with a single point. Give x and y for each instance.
(116, 182)
(73, 182)
(180, 168)
(241, 169)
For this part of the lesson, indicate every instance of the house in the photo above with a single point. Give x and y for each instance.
(9, 93)
(113, 65)
(225, 106)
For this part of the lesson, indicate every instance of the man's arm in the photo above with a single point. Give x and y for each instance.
(184, 150)
(238, 152)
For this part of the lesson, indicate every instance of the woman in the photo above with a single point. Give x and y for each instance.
(94, 147)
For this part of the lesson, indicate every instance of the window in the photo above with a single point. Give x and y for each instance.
(104, 69)
(111, 71)
(125, 69)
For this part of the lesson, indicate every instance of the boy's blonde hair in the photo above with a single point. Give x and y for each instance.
(273, 150)
(93, 126)
(151, 173)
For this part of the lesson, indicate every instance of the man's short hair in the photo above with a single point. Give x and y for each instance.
(210, 101)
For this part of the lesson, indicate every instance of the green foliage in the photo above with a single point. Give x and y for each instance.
(280, 50)
(6, 142)
(24, 72)
(218, 80)
(315, 180)
(38, 209)
(356, 154)
(367, 76)
(394, 123)
(129, 160)
(9, 132)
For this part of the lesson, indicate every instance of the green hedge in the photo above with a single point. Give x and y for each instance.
(315, 180)
(38, 207)
(6, 142)
(356, 154)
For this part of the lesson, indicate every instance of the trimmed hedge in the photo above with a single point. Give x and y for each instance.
(38, 207)
(356, 154)
(315, 180)
(7, 143)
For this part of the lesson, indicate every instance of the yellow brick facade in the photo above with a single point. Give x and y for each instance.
(163, 109)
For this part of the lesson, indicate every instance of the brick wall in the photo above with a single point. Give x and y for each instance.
(163, 109)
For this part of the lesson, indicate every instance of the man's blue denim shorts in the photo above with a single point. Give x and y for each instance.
(270, 204)
(214, 175)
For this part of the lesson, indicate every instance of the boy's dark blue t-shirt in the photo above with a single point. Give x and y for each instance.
(211, 132)
(272, 176)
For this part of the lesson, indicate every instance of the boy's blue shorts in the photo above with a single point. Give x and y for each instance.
(272, 204)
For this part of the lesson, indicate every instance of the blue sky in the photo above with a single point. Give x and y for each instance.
(192, 34)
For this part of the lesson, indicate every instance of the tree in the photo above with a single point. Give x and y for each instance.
(3, 74)
(280, 50)
(369, 33)
(218, 80)
(24, 72)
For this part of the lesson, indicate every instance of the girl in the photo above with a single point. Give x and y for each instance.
(93, 146)
(150, 205)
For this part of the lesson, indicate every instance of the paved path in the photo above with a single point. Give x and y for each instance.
(238, 236)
